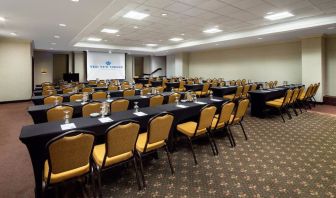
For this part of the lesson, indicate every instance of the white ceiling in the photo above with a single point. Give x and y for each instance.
(240, 20)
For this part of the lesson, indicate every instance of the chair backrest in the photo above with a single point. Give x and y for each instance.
(46, 84)
(156, 100)
(113, 88)
(120, 104)
(99, 95)
(254, 87)
(101, 84)
(121, 138)
(275, 83)
(172, 97)
(129, 92)
(92, 82)
(232, 82)
(87, 89)
(238, 82)
(48, 87)
(239, 91)
(317, 87)
(270, 84)
(138, 86)
(52, 99)
(190, 82)
(182, 83)
(205, 88)
(240, 111)
(243, 81)
(245, 90)
(125, 86)
(288, 97)
(49, 92)
(206, 116)
(226, 112)
(67, 90)
(57, 113)
(75, 97)
(159, 128)
(294, 95)
(160, 89)
(93, 107)
(307, 93)
(69, 151)
(145, 91)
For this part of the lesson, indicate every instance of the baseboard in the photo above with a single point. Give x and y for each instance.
(14, 101)
(329, 100)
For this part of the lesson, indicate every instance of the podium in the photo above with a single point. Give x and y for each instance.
(71, 77)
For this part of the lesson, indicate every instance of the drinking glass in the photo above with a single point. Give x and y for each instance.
(66, 117)
(136, 107)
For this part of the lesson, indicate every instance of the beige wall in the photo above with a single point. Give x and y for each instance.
(15, 67)
(79, 65)
(331, 66)
(43, 61)
(281, 61)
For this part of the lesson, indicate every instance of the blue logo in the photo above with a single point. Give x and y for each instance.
(108, 63)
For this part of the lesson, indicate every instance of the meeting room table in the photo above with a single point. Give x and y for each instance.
(156, 83)
(170, 85)
(36, 136)
(39, 112)
(39, 100)
(194, 87)
(225, 90)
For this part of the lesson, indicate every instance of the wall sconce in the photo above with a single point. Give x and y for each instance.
(43, 71)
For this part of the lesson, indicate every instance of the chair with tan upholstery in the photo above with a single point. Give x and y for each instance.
(120, 104)
(156, 100)
(232, 82)
(245, 90)
(129, 92)
(160, 89)
(238, 82)
(303, 98)
(138, 86)
(68, 158)
(118, 149)
(93, 107)
(235, 96)
(193, 130)
(172, 97)
(67, 90)
(113, 88)
(48, 87)
(292, 102)
(52, 99)
(49, 92)
(221, 120)
(238, 117)
(46, 84)
(75, 97)
(101, 84)
(99, 95)
(155, 138)
(282, 106)
(57, 113)
(145, 91)
(92, 82)
(205, 90)
(254, 87)
(87, 89)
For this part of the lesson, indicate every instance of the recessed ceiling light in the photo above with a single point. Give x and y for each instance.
(75, 1)
(212, 30)
(56, 36)
(269, 12)
(13, 33)
(182, 34)
(94, 39)
(53, 43)
(110, 31)
(135, 27)
(163, 14)
(62, 25)
(118, 35)
(51, 48)
(2, 19)
(331, 28)
(176, 39)
(151, 45)
(105, 40)
(260, 38)
(278, 16)
(216, 44)
(135, 15)
(110, 52)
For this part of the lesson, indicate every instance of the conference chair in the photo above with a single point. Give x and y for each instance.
(58, 113)
(282, 106)
(87, 89)
(46, 84)
(243, 82)
(238, 82)
(238, 117)
(120, 104)
(101, 84)
(99, 95)
(93, 107)
(292, 102)
(67, 90)
(235, 96)
(156, 100)
(214, 84)
(125, 86)
(129, 92)
(49, 92)
(221, 120)
(254, 87)
(52, 99)
(164, 81)
(298, 104)
(92, 82)
(138, 86)
(155, 138)
(275, 83)
(245, 91)
(118, 149)
(160, 89)
(181, 86)
(193, 130)
(75, 97)
(113, 88)
(204, 92)
(145, 91)
(303, 98)
(190, 82)
(172, 97)
(68, 158)
(312, 97)
(232, 82)
(48, 87)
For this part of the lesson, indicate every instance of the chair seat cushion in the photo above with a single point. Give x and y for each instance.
(200, 93)
(274, 104)
(219, 125)
(189, 128)
(59, 177)
(302, 96)
(230, 97)
(141, 142)
(99, 153)
(236, 120)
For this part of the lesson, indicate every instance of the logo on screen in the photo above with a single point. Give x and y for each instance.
(108, 63)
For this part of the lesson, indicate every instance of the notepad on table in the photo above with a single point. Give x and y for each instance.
(200, 102)
(105, 120)
(216, 100)
(182, 106)
(140, 114)
(68, 126)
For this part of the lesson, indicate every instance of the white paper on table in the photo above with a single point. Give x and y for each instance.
(140, 113)
(68, 126)
(105, 120)
(182, 106)
(109, 100)
(200, 102)
(216, 100)
(143, 96)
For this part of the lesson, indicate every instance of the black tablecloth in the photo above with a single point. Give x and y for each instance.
(36, 136)
(143, 81)
(38, 100)
(39, 92)
(221, 91)
(194, 87)
(171, 85)
(39, 112)
(156, 83)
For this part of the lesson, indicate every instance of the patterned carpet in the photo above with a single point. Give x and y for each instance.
(292, 159)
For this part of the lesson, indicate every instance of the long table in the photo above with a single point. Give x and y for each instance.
(39, 112)
(221, 91)
(36, 136)
(60, 91)
(194, 87)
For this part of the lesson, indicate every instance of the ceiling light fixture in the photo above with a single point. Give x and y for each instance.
(212, 30)
(176, 39)
(135, 15)
(135, 27)
(163, 14)
(110, 31)
(151, 45)
(94, 39)
(13, 33)
(260, 38)
(53, 43)
(278, 16)
(2, 19)
(182, 34)
(75, 1)
(331, 28)
(62, 25)
(57, 37)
